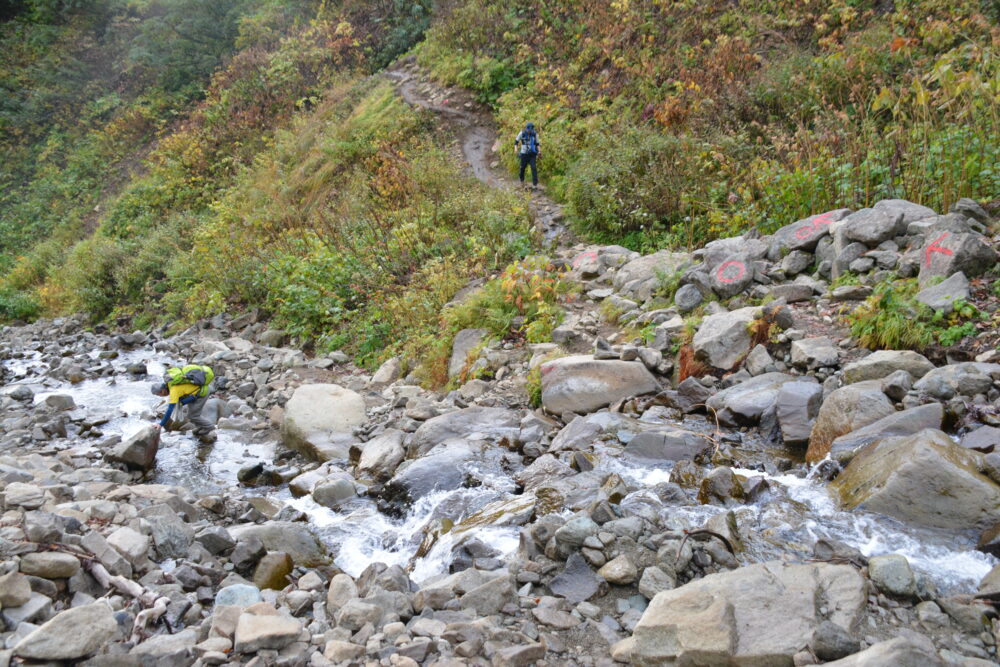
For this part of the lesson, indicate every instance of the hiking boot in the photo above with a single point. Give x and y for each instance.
(207, 438)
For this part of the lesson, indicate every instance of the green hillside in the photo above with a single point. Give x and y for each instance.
(165, 160)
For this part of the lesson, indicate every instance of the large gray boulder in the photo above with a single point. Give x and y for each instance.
(905, 422)
(295, 539)
(925, 479)
(382, 454)
(846, 409)
(733, 275)
(443, 469)
(907, 210)
(320, 420)
(803, 235)
(138, 451)
(745, 403)
(491, 424)
(948, 253)
(761, 614)
(668, 445)
(724, 339)
(797, 405)
(815, 353)
(466, 340)
(965, 379)
(878, 365)
(583, 384)
(872, 226)
(70, 635)
(641, 277)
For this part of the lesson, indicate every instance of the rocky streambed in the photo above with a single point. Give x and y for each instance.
(801, 502)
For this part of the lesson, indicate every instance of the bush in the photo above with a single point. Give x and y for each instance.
(17, 305)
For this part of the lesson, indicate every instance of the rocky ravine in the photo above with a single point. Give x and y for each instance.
(348, 519)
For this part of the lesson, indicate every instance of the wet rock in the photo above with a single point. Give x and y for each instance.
(880, 364)
(334, 492)
(720, 485)
(846, 409)
(832, 642)
(797, 405)
(944, 295)
(60, 402)
(490, 424)
(577, 582)
(443, 470)
(273, 570)
(70, 635)
(912, 650)
(381, 455)
(815, 353)
(905, 422)
(723, 339)
(667, 446)
(319, 420)
(923, 479)
(49, 564)
(295, 539)
(892, 575)
(964, 379)
(744, 404)
(729, 618)
(581, 384)
(544, 470)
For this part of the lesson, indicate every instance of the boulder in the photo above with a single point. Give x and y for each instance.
(744, 404)
(803, 235)
(639, 278)
(490, 424)
(911, 650)
(70, 635)
(944, 295)
(723, 340)
(732, 275)
(907, 210)
(761, 614)
(948, 253)
(320, 419)
(872, 226)
(582, 384)
(390, 371)
(295, 539)
(797, 405)
(983, 439)
(381, 455)
(879, 364)
(891, 574)
(759, 361)
(815, 353)
(443, 469)
(465, 342)
(905, 422)
(138, 451)
(846, 409)
(669, 445)
(925, 479)
(964, 379)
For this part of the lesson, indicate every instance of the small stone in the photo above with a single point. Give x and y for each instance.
(50, 564)
(14, 590)
(832, 642)
(892, 575)
(237, 595)
(620, 571)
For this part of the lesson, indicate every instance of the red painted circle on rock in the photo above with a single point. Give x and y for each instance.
(725, 275)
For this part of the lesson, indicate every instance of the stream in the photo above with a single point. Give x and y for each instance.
(784, 523)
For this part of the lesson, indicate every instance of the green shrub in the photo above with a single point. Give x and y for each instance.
(17, 305)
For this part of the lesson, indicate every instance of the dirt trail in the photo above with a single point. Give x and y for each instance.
(477, 134)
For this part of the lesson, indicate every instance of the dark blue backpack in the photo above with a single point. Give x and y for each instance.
(529, 142)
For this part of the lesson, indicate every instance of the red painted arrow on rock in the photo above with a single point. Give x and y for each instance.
(936, 247)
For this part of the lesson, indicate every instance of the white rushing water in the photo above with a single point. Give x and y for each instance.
(785, 523)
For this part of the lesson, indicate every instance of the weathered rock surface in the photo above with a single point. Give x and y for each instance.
(879, 364)
(724, 339)
(905, 422)
(925, 479)
(137, 451)
(70, 635)
(465, 342)
(745, 403)
(733, 617)
(582, 384)
(320, 419)
(846, 409)
(490, 424)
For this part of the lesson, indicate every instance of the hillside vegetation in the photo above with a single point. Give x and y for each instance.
(678, 122)
(170, 159)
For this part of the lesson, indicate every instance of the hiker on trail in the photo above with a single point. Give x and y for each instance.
(527, 146)
(189, 386)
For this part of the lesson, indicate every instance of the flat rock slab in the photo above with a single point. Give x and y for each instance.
(878, 365)
(760, 614)
(582, 384)
(71, 634)
(577, 582)
(944, 295)
(905, 422)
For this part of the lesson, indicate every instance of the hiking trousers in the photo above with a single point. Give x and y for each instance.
(201, 424)
(529, 159)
